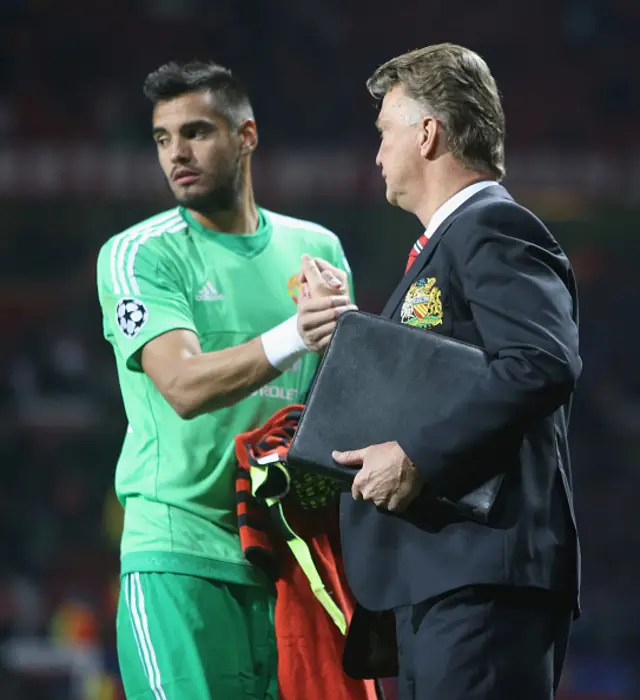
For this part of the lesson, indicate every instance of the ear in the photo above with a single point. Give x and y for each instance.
(430, 132)
(248, 133)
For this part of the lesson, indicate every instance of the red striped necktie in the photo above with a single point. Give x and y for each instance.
(416, 250)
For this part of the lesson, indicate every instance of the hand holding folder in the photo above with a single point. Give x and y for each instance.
(375, 376)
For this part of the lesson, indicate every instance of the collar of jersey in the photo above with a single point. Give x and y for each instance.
(247, 244)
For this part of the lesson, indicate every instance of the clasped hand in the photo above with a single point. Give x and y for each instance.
(324, 295)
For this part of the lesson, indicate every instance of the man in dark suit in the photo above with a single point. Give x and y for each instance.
(482, 610)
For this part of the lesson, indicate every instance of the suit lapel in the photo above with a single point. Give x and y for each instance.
(418, 264)
(427, 252)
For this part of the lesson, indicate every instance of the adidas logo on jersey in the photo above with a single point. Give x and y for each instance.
(209, 293)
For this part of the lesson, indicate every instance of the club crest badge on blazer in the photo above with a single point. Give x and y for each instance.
(422, 307)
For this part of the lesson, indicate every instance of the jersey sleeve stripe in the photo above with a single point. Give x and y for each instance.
(121, 242)
(135, 289)
(128, 242)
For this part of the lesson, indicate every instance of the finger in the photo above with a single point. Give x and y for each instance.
(304, 291)
(310, 270)
(399, 506)
(331, 279)
(333, 275)
(311, 320)
(323, 265)
(321, 334)
(356, 488)
(314, 319)
(396, 504)
(324, 303)
(401, 500)
(323, 343)
(377, 500)
(324, 334)
(350, 457)
(337, 301)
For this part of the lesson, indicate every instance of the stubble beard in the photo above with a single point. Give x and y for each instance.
(224, 194)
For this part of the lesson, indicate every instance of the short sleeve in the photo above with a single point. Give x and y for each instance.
(141, 298)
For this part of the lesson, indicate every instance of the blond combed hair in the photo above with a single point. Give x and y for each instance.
(454, 85)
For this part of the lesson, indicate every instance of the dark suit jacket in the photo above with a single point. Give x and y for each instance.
(504, 284)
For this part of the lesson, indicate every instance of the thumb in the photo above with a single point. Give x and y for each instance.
(350, 457)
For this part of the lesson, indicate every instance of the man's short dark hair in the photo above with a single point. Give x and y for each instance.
(175, 79)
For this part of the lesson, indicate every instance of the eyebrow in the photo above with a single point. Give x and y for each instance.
(187, 125)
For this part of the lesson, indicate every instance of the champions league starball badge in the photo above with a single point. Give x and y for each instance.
(131, 315)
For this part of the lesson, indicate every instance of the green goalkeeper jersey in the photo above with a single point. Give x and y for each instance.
(176, 477)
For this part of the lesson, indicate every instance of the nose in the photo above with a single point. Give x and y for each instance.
(181, 151)
(378, 156)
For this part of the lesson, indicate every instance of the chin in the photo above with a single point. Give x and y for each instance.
(399, 199)
(193, 199)
(209, 195)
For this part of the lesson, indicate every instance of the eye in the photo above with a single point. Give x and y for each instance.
(198, 132)
(162, 141)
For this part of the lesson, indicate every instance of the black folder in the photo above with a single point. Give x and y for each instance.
(376, 376)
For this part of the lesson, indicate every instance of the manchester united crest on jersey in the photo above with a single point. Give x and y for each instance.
(293, 285)
(422, 307)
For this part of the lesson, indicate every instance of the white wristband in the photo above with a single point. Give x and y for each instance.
(283, 344)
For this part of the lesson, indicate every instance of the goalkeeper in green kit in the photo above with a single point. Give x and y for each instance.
(200, 304)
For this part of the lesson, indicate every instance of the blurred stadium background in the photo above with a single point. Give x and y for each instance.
(77, 165)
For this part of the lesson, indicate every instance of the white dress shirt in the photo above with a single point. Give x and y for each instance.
(454, 203)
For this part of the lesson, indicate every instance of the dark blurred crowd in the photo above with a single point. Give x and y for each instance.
(70, 72)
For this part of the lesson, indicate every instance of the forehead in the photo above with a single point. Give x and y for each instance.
(397, 107)
(192, 106)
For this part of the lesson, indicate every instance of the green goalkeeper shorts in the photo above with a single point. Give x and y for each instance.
(187, 638)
